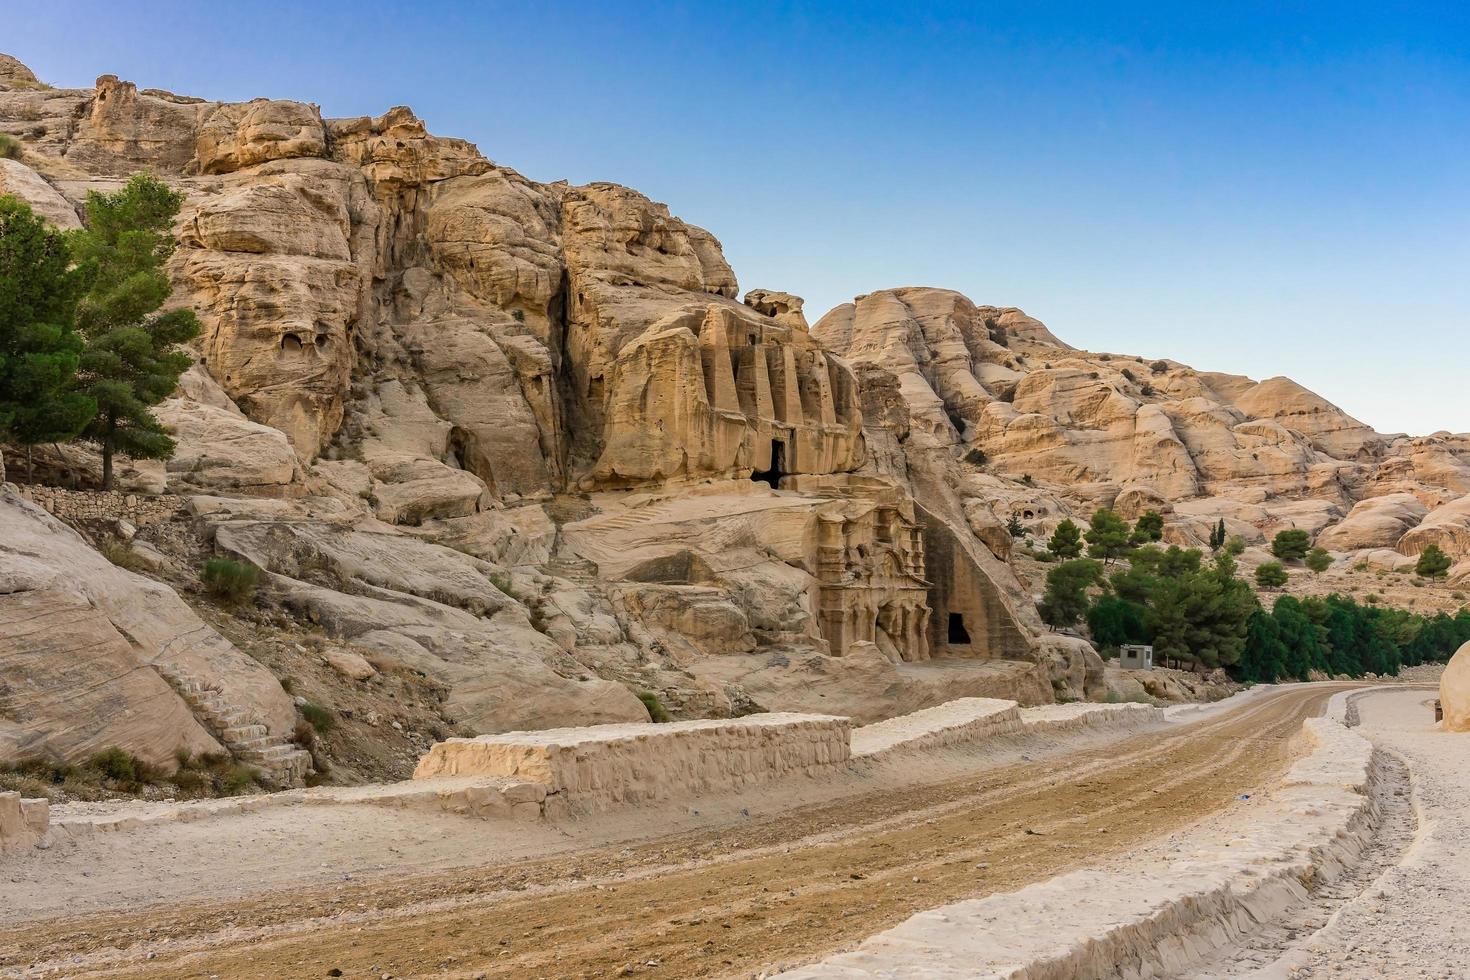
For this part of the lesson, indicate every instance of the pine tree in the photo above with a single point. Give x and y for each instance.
(1217, 535)
(1066, 541)
(1015, 528)
(1150, 527)
(1108, 536)
(39, 350)
(1065, 601)
(1291, 545)
(1271, 575)
(1432, 562)
(131, 361)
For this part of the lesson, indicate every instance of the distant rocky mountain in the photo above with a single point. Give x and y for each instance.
(530, 442)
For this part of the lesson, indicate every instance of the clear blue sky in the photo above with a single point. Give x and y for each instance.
(1268, 189)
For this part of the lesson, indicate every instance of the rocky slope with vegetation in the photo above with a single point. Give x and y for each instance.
(458, 451)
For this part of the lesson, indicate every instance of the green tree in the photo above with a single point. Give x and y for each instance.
(1114, 621)
(1108, 536)
(1150, 527)
(1263, 659)
(1065, 601)
(1271, 575)
(1217, 535)
(1303, 638)
(1319, 560)
(1201, 615)
(1235, 546)
(1433, 563)
(1015, 527)
(39, 350)
(1066, 540)
(131, 361)
(1291, 545)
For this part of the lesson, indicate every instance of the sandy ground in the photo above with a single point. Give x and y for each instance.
(1413, 919)
(733, 887)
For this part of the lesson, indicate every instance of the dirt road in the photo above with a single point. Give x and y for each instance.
(710, 905)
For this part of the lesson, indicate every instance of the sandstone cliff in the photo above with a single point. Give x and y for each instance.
(529, 442)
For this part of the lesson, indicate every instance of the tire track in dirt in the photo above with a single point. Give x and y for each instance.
(714, 904)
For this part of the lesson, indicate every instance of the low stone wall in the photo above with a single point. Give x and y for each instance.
(138, 509)
(951, 723)
(22, 822)
(618, 765)
(1145, 922)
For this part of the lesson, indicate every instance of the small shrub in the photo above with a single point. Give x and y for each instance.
(318, 717)
(976, 457)
(1373, 597)
(46, 770)
(1235, 546)
(288, 684)
(657, 713)
(10, 147)
(190, 780)
(121, 555)
(502, 582)
(1319, 560)
(1158, 367)
(1129, 375)
(1147, 390)
(230, 581)
(1026, 479)
(237, 778)
(114, 763)
(303, 734)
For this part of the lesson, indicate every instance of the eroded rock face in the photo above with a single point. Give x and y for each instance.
(98, 657)
(20, 181)
(995, 386)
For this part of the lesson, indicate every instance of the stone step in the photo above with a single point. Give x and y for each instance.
(242, 734)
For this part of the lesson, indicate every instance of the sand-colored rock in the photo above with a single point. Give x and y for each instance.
(98, 656)
(1378, 522)
(1454, 691)
(21, 182)
(1447, 526)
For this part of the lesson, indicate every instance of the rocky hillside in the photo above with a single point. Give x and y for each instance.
(530, 444)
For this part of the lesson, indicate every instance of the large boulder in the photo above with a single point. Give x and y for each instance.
(1454, 691)
(1378, 522)
(93, 656)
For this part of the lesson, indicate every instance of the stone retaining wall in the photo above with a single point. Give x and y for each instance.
(139, 509)
(618, 765)
(1145, 922)
(22, 822)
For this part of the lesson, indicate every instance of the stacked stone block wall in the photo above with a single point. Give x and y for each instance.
(139, 509)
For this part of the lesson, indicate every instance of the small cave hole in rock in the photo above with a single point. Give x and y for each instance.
(772, 476)
(321, 341)
(459, 450)
(291, 343)
(957, 632)
(1027, 514)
